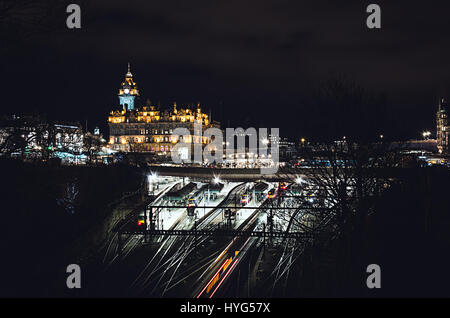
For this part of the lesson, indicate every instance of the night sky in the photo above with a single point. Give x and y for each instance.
(254, 63)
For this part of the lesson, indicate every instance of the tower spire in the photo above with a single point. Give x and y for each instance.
(129, 71)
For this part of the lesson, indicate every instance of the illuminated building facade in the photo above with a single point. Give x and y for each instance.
(68, 137)
(442, 128)
(29, 136)
(149, 129)
(286, 148)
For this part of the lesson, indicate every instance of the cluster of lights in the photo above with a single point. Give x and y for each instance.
(426, 134)
(299, 180)
(152, 177)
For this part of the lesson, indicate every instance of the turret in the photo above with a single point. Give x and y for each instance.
(128, 91)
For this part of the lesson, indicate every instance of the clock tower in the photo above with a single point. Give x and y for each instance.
(128, 91)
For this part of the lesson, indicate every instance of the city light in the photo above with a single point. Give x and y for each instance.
(426, 134)
(313, 201)
(152, 177)
(299, 180)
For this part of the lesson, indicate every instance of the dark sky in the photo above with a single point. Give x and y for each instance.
(256, 63)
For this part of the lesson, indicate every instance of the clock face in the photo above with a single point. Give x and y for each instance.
(126, 90)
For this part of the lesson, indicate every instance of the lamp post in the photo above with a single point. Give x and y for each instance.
(151, 182)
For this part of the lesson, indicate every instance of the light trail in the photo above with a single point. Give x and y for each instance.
(217, 273)
(225, 263)
(229, 271)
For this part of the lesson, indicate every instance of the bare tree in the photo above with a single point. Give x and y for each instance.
(22, 135)
(342, 177)
(92, 144)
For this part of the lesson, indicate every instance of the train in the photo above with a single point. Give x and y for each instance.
(198, 195)
(229, 258)
(246, 197)
(260, 190)
(194, 200)
(191, 207)
(179, 196)
(272, 194)
(140, 221)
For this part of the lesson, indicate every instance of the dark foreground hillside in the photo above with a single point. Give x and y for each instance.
(48, 211)
(45, 210)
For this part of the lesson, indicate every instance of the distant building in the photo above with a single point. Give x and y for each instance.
(95, 148)
(146, 128)
(286, 148)
(22, 135)
(31, 136)
(68, 143)
(68, 138)
(442, 127)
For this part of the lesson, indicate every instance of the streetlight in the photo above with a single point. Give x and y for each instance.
(426, 134)
(216, 180)
(152, 177)
(299, 180)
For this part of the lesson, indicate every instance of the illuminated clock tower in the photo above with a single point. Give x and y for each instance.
(128, 91)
